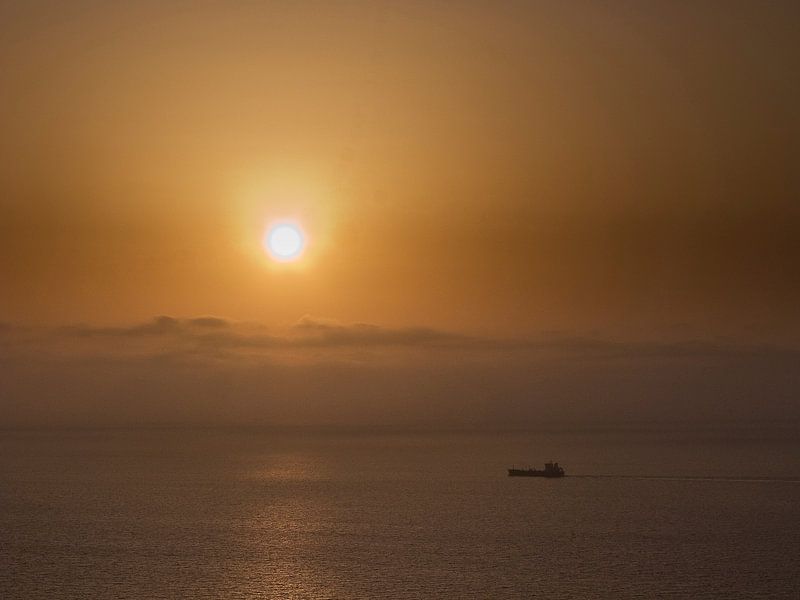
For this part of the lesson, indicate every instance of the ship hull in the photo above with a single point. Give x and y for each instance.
(533, 473)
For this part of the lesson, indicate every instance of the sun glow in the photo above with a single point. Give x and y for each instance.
(285, 242)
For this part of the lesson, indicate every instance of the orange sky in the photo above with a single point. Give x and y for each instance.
(626, 170)
(523, 164)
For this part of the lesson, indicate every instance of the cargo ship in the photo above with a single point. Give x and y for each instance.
(551, 469)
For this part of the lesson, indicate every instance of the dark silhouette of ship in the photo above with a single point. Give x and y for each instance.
(551, 469)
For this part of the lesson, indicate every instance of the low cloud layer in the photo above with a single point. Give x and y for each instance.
(209, 370)
(307, 332)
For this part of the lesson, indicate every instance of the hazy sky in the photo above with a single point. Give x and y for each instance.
(583, 209)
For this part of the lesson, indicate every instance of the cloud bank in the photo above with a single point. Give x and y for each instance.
(213, 371)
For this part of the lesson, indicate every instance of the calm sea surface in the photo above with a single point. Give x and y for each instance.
(255, 514)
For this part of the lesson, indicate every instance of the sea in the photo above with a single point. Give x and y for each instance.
(261, 513)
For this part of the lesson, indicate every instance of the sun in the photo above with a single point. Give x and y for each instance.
(285, 242)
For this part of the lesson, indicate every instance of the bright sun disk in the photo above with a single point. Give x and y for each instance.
(285, 241)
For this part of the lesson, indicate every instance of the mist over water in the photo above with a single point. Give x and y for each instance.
(267, 514)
